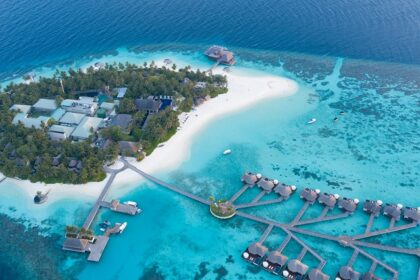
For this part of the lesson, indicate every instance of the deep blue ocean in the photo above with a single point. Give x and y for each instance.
(35, 32)
(360, 57)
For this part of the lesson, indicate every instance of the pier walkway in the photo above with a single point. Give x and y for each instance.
(166, 185)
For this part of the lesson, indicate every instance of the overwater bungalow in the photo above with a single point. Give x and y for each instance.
(285, 191)
(274, 262)
(75, 244)
(267, 184)
(221, 55)
(369, 276)
(373, 207)
(316, 274)
(348, 204)
(412, 214)
(393, 211)
(254, 253)
(250, 179)
(295, 270)
(347, 273)
(329, 200)
(309, 195)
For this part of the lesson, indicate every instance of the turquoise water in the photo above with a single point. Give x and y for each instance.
(371, 152)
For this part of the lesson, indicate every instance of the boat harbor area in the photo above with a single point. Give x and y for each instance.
(330, 208)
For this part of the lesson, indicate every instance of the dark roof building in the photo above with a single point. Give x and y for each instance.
(250, 179)
(412, 214)
(267, 184)
(393, 211)
(285, 191)
(128, 148)
(75, 244)
(348, 204)
(328, 200)
(148, 105)
(309, 195)
(347, 273)
(295, 268)
(123, 121)
(372, 207)
(221, 54)
(276, 257)
(257, 249)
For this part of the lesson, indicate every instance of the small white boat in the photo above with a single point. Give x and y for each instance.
(122, 227)
(131, 203)
(228, 151)
(311, 121)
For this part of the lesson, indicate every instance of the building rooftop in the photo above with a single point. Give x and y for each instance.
(131, 147)
(107, 106)
(29, 122)
(296, 266)
(21, 108)
(44, 104)
(250, 178)
(372, 207)
(276, 257)
(257, 249)
(309, 195)
(393, 211)
(120, 92)
(75, 244)
(348, 204)
(83, 130)
(328, 199)
(58, 113)
(266, 184)
(148, 105)
(284, 190)
(72, 118)
(122, 120)
(316, 274)
(348, 273)
(67, 130)
(412, 214)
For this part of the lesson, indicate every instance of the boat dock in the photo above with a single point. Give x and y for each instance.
(346, 207)
(97, 248)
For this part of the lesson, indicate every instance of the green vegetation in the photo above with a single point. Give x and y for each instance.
(222, 208)
(28, 153)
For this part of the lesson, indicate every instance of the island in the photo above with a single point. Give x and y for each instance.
(65, 128)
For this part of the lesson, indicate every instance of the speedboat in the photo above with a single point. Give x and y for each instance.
(228, 151)
(311, 121)
(104, 225)
(131, 203)
(122, 227)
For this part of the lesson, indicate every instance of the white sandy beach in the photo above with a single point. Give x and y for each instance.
(245, 89)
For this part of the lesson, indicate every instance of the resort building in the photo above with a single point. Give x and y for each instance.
(30, 122)
(108, 107)
(85, 105)
(348, 204)
(26, 109)
(372, 207)
(128, 148)
(267, 184)
(295, 269)
(250, 179)
(369, 276)
(347, 273)
(284, 191)
(75, 245)
(274, 262)
(45, 105)
(412, 214)
(120, 92)
(123, 121)
(316, 274)
(220, 54)
(254, 253)
(71, 119)
(148, 105)
(86, 127)
(58, 114)
(309, 195)
(393, 211)
(60, 132)
(328, 200)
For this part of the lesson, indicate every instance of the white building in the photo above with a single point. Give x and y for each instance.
(85, 105)
(60, 132)
(85, 128)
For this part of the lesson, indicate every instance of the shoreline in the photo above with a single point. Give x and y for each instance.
(246, 87)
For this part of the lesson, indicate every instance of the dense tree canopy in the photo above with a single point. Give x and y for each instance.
(28, 153)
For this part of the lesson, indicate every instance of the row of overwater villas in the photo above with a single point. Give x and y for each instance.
(278, 264)
(349, 205)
